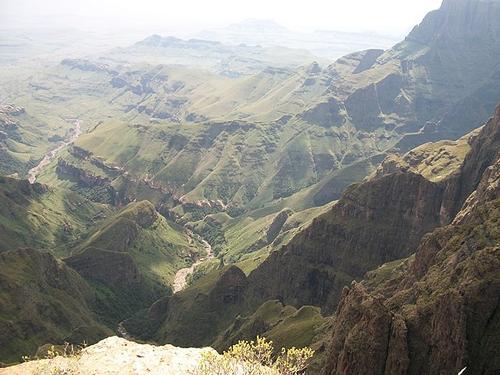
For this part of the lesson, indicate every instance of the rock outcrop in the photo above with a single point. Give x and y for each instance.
(351, 353)
(436, 315)
(115, 355)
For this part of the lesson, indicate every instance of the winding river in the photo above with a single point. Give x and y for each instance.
(35, 171)
(180, 279)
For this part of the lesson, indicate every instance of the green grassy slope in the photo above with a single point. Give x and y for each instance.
(372, 224)
(43, 301)
(159, 247)
(25, 137)
(131, 259)
(42, 217)
(284, 325)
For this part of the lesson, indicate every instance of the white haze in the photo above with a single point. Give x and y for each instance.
(185, 17)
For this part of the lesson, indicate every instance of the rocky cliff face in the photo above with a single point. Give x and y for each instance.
(437, 315)
(96, 187)
(377, 221)
(452, 54)
(374, 222)
(377, 225)
(436, 312)
(460, 21)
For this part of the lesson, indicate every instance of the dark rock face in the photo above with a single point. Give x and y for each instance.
(367, 59)
(366, 105)
(229, 288)
(86, 65)
(485, 150)
(363, 108)
(447, 299)
(440, 83)
(277, 225)
(325, 114)
(459, 19)
(118, 82)
(374, 222)
(350, 353)
(83, 177)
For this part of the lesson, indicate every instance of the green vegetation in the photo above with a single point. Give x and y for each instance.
(43, 301)
(255, 357)
(48, 218)
(131, 259)
(286, 326)
(246, 149)
(159, 247)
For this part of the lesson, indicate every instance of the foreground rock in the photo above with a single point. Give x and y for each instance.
(115, 355)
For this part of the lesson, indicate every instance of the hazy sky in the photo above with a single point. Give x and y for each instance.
(390, 16)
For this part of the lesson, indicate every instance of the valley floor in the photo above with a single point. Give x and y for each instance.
(181, 277)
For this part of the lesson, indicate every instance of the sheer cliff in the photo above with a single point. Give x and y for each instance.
(438, 311)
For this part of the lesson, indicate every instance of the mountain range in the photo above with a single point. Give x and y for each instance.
(350, 206)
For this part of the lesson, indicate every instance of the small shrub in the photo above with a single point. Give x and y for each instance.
(255, 358)
(70, 354)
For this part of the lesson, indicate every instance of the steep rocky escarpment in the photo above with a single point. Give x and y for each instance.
(377, 221)
(448, 55)
(246, 162)
(374, 222)
(385, 324)
(459, 21)
(484, 152)
(436, 312)
(43, 301)
(95, 187)
(365, 229)
(360, 313)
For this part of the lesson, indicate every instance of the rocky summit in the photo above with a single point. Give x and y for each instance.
(231, 199)
(116, 355)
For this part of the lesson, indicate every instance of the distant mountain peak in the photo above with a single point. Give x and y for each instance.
(156, 40)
